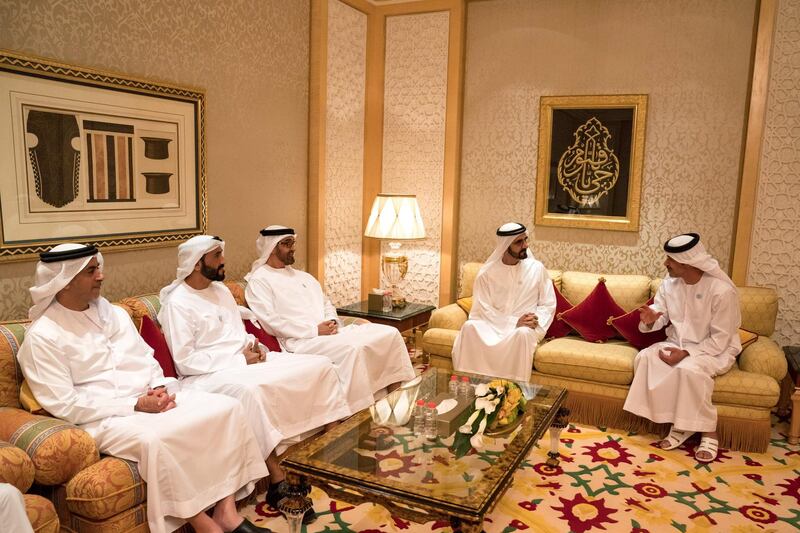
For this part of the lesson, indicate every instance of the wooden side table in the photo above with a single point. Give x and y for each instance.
(410, 317)
(405, 318)
(793, 358)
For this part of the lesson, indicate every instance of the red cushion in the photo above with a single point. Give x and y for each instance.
(154, 337)
(559, 328)
(590, 317)
(628, 326)
(263, 337)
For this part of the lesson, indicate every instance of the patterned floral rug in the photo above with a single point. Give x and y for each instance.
(612, 481)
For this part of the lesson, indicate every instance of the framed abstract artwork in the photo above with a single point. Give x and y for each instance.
(591, 155)
(96, 157)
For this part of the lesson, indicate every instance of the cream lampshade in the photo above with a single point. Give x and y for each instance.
(395, 217)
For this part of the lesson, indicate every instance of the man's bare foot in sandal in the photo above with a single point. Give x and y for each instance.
(706, 452)
(675, 438)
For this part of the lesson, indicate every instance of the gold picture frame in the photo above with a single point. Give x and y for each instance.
(591, 156)
(97, 158)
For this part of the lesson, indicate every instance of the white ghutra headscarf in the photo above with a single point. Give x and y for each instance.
(55, 270)
(267, 240)
(688, 249)
(505, 236)
(189, 253)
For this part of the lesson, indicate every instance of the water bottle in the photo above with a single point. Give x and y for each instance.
(419, 418)
(431, 431)
(387, 302)
(452, 387)
(465, 389)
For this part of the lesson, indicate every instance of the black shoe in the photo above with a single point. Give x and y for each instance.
(277, 492)
(248, 527)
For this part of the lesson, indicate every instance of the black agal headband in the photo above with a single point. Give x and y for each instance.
(513, 231)
(278, 231)
(65, 255)
(687, 240)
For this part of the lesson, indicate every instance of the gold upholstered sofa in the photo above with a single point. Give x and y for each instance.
(597, 375)
(17, 469)
(89, 493)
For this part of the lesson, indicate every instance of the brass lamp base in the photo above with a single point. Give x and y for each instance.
(395, 267)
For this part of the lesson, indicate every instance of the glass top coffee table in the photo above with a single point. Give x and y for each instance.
(414, 477)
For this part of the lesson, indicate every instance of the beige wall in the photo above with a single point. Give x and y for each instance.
(344, 151)
(775, 254)
(691, 58)
(415, 104)
(251, 57)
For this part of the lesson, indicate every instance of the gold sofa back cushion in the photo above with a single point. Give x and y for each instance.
(468, 274)
(470, 271)
(628, 290)
(759, 306)
(465, 304)
(139, 306)
(11, 335)
(28, 400)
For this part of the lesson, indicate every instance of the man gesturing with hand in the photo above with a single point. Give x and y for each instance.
(673, 380)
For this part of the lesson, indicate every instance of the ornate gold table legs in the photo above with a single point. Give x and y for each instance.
(559, 423)
(297, 503)
(462, 526)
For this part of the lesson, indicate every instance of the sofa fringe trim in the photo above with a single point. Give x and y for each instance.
(594, 410)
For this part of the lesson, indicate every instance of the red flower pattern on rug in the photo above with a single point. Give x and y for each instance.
(610, 452)
(582, 514)
(610, 481)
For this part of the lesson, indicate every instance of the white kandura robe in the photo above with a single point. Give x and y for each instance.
(285, 397)
(12, 510)
(89, 367)
(490, 342)
(704, 320)
(290, 304)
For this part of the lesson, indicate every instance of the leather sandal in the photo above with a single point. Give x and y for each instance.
(675, 438)
(709, 445)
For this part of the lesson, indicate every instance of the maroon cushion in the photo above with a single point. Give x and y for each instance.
(628, 326)
(153, 336)
(263, 337)
(590, 317)
(559, 328)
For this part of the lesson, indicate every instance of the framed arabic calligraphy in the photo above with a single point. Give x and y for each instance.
(591, 154)
(96, 157)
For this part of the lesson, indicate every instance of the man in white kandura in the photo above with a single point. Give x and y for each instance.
(290, 304)
(86, 363)
(513, 303)
(673, 380)
(285, 396)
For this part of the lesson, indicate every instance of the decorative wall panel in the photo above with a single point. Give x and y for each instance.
(415, 100)
(775, 254)
(344, 150)
(691, 58)
(250, 56)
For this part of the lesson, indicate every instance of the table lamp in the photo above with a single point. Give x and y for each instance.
(394, 218)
